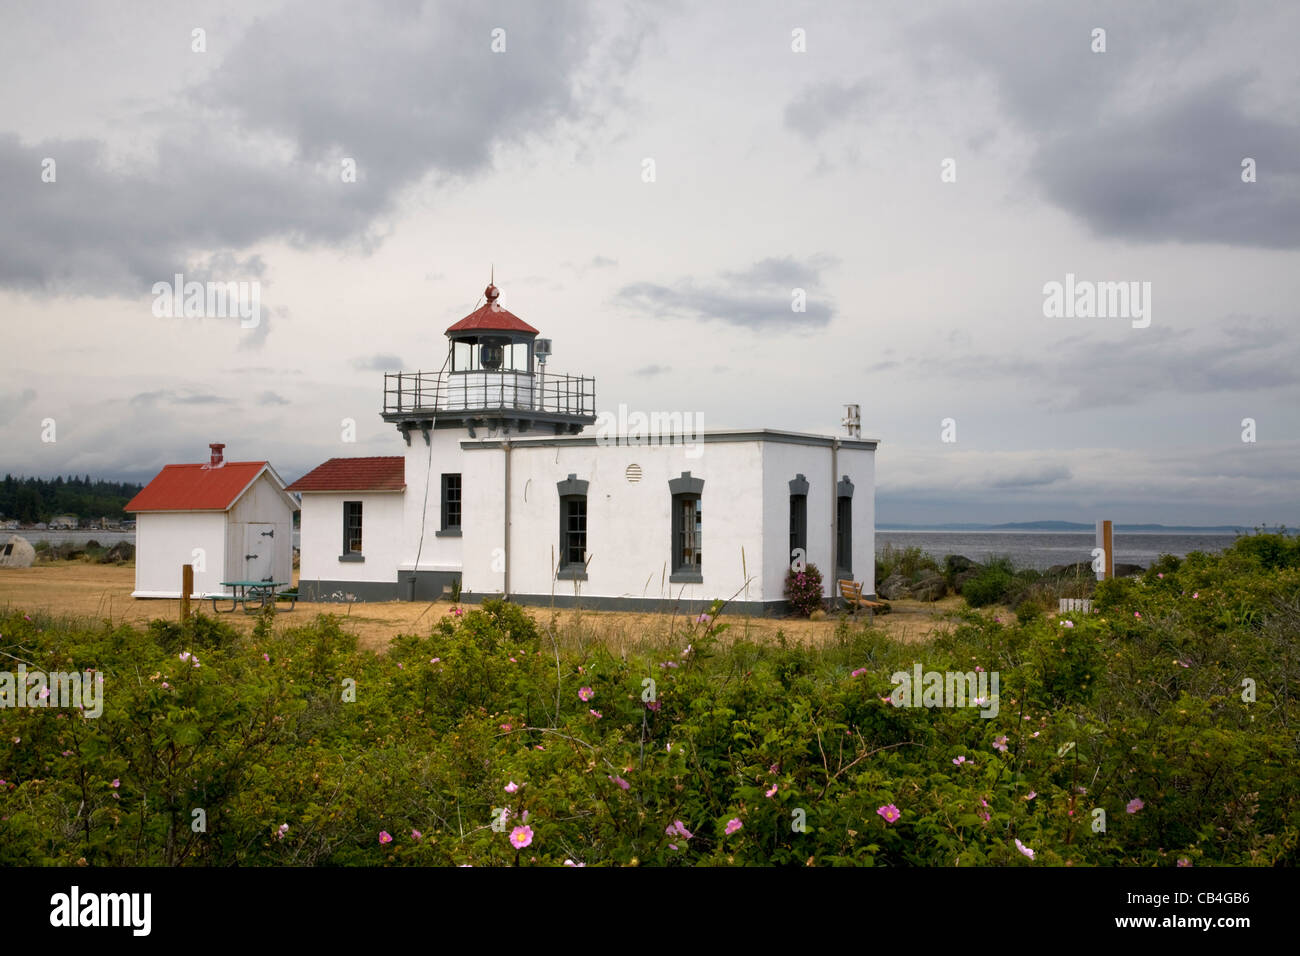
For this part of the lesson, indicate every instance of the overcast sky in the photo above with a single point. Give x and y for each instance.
(774, 168)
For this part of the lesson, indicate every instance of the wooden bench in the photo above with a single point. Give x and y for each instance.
(851, 592)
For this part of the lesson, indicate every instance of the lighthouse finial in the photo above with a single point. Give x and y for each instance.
(491, 293)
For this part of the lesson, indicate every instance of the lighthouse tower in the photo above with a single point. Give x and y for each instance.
(494, 379)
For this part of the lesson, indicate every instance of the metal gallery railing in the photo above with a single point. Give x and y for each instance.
(432, 392)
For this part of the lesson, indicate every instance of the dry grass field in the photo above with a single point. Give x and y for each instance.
(101, 591)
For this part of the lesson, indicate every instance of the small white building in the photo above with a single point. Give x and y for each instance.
(506, 489)
(352, 513)
(63, 523)
(232, 520)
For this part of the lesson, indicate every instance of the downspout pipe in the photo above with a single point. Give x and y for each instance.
(835, 517)
(505, 585)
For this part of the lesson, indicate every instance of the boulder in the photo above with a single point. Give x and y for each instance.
(121, 551)
(1125, 570)
(894, 588)
(957, 563)
(1081, 569)
(961, 577)
(17, 552)
(930, 588)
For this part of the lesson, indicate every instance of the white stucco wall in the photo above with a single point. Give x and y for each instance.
(321, 539)
(629, 524)
(745, 508)
(166, 540)
(425, 465)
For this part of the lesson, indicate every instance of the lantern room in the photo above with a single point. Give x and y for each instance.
(494, 377)
(490, 339)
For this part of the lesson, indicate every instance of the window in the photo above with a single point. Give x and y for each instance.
(844, 528)
(798, 516)
(450, 505)
(351, 531)
(573, 529)
(687, 529)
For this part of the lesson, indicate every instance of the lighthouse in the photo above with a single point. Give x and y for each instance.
(501, 490)
(494, 379)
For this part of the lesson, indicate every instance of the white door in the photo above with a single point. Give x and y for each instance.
(259, 550)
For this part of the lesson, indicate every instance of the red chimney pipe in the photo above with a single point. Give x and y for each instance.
(216, 448)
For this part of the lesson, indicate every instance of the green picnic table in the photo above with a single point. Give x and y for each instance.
(249, 593)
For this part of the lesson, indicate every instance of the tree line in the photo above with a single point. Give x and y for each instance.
(40, 499)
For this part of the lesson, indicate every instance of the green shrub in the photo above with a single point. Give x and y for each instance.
(909, 562)
(1028, 611)
(990, 586)
(803, 590)
(301, 748)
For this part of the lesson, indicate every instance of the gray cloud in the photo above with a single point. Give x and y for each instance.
(759, 296)
(823, 105)
(271, 398)
(1174, 172)
(1044, 475)
(11, 403)
(1128, 157)
(647, 371)
(381, 362)
(254, 153)
(1243, 354)
(169, 396)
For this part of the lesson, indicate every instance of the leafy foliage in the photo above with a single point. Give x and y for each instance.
(803, 590)
(1168, 708)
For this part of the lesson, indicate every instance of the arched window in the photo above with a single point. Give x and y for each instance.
(572, 565)
(688, 529)
(844, 528)
(798, 516)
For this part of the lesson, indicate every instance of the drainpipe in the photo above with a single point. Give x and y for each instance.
(505, 586)
(835, 517)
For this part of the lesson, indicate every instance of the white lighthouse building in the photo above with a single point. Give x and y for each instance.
(511, 484)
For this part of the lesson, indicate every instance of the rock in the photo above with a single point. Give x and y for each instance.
(930, 588)
(122, 551)
(894, 588)
(17, 552)
(1125, 570)
(959, 579)
(1081, 569)
(92, 543)
(957, 563)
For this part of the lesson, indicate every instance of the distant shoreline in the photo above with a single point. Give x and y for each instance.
(1089, 532)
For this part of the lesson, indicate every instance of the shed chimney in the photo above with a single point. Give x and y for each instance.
(215, 460)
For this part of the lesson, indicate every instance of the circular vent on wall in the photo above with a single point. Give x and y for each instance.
(633, 473)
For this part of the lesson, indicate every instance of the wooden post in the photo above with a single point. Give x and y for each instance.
(1109, 545)
(187, 588)
(1106, 541)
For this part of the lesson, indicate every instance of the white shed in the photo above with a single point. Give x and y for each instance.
(232, 520)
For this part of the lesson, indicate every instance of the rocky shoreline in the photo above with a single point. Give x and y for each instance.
(929, 580)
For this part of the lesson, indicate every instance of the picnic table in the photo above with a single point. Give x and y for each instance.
(253, 595)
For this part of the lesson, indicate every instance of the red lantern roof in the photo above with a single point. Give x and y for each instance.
(490, 317)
